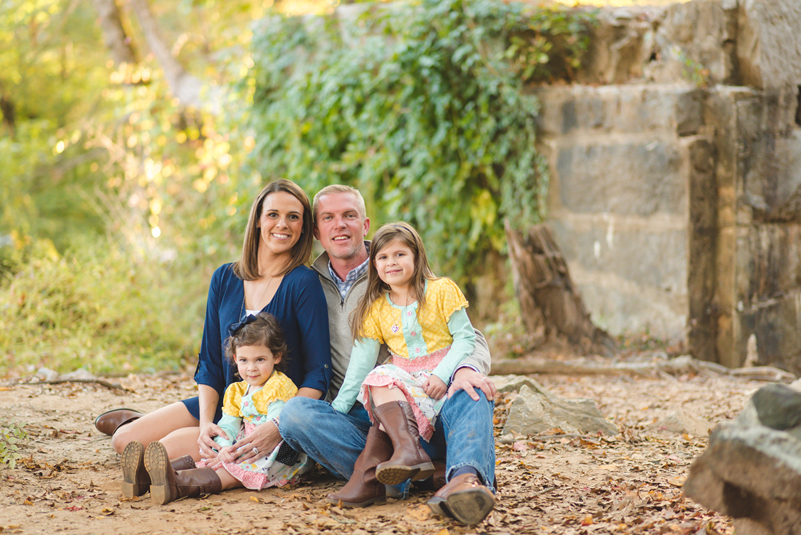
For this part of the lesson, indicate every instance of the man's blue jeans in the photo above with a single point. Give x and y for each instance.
(463, 435)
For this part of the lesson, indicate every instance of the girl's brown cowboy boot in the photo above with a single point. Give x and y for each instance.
(363, 488)
(408, 461)
(167, 485)
(135, 479)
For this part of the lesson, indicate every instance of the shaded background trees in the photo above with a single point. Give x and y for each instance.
(134, 135)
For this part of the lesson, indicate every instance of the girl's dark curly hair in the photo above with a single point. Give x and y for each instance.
(259, 330)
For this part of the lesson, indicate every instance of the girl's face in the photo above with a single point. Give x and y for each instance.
(255, 364)
(395, 264)
(281, 222)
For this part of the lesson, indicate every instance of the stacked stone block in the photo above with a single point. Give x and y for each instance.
(620, 160)
(676, 192)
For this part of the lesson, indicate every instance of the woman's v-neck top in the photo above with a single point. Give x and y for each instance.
(300, 308)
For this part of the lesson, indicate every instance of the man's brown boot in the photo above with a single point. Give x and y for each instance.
(135, 479)
(167, 485)
(408, 461)
(465, 499)
(363, 488)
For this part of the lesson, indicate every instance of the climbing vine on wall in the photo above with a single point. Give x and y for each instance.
(422, 106)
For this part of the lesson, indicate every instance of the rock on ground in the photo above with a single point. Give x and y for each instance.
(536, 410)
(751, 469)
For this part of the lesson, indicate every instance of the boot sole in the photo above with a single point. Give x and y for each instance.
(157, 462)
(394, 475)
(377, 501)
(132, 462)
(469, 507)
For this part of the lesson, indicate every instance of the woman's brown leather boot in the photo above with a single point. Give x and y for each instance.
(135, 479)
(363, 489)
(167, 485)
(408, 461)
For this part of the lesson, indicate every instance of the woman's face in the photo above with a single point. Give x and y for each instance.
(281, 223)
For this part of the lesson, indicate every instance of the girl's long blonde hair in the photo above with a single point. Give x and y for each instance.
(376, 288)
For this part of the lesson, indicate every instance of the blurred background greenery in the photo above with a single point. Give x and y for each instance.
(118, 198)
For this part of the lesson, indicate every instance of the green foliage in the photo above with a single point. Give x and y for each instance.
(98, 307)
(51, 75)
(694, 71)
(423, 107)
(115, 201)
(10, 436)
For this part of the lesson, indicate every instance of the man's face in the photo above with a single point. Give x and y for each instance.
(340, 227)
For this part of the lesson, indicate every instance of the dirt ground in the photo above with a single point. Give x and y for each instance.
(68, 479)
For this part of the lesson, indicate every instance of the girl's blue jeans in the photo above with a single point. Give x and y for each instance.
(463, 435)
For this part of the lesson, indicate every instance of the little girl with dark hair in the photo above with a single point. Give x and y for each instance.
(257, 347)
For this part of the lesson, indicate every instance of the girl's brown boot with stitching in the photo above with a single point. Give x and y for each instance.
(408, 461)
(363, 488)
(167, 485)
(135, 479)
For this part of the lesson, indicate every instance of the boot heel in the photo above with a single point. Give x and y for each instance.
(394, 474)
(131, 490)
(132, 467)
(426, 471)
(160, 495)
(157, 462)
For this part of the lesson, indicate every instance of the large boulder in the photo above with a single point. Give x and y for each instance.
(751, 469)
(536, 410)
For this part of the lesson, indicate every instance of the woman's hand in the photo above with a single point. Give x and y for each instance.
(260, 443)
(434, 387)
(205, 440)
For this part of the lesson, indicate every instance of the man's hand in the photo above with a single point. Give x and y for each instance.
(468, 379)
(206, 440)
(434, 387)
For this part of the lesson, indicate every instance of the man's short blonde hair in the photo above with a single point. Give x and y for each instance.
(340, 188)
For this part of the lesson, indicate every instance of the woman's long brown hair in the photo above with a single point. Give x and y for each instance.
(247, 267)
(376, 288)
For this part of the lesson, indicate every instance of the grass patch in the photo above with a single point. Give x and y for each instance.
(101, 308)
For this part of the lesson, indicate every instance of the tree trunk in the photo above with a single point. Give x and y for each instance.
(184, 86)
(114, 34)
(9, 111)
(547, 294)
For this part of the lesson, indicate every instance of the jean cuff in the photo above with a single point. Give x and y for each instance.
(399, 491)
(481, 474)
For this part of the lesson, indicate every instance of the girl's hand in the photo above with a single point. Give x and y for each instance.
(226, 454)
(206, 442)
(260, 443)
(434, 387)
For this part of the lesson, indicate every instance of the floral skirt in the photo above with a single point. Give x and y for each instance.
(408, 375)
(282, 467)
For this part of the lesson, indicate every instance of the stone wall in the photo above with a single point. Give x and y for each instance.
(619, 159)
(676, 176)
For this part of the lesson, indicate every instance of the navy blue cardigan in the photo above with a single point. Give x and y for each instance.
(300, 308)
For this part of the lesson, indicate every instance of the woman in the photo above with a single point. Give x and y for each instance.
(269, 276)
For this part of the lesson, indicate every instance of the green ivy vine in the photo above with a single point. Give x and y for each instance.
(422, 106)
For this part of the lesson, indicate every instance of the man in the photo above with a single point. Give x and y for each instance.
(464, 435)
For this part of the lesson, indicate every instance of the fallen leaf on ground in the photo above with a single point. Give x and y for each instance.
(678, 481)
